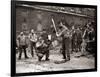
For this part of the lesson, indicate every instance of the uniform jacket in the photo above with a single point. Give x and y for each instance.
(22, 39)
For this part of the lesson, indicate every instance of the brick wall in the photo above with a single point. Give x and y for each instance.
(32, 17)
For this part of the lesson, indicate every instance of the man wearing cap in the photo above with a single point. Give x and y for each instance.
(33, 40)
(22, 45)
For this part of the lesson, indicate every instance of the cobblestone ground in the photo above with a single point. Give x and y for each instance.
(32, 64)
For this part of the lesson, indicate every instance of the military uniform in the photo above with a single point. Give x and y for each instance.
(43, 47)
(79, 40)
(22, 45)
(91, 44)
(65, 45)
(33, 39)
(74, 41)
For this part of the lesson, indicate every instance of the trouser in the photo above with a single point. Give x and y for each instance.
(32, 45)
(47, 50)
(64, 53)
(47, 54)
(21, 49)
(41, 51)
(65, 50)
(91, 47)
(73, 45)
(79, 46)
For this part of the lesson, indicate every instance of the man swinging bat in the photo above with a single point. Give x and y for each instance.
(65, 34)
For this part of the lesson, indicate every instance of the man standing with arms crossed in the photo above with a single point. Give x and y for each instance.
(33, 40)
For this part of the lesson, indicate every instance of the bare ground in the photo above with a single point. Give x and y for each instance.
(32, 64)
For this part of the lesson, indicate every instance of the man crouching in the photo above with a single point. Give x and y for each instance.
(42, 48)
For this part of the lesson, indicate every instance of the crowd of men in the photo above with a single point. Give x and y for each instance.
(38, 43)
(81, 39)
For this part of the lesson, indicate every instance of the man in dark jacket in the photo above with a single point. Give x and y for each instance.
(47, 42)
(79, 39)
(91, 44)
(74, 41)
(42, 46)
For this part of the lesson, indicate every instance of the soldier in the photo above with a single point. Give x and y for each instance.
(65, 42)
(91, 40)
(33, 39)
(85, 38)
(74, 39)
(22, 45)
(46, 43)
(39, 47)
(43, 47)
(79, 39)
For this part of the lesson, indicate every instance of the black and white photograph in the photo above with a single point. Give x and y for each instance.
(53, 37)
